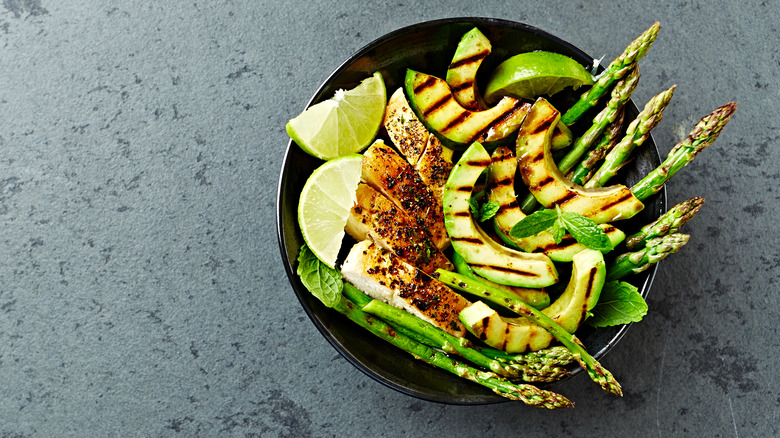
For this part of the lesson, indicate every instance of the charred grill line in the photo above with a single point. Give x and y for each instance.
(626, 196)
(545, 124)
(437, 105)
(430, 82)
(566, 198)
(471, 240)
(501, 118)
(462, 117)
(462, 86)
(508, 270)
(477, 57)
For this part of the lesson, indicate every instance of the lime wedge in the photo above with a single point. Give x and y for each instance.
(324, 206)
(344, 124)
(530, 75)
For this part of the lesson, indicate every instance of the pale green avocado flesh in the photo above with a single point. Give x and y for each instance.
(518, 335)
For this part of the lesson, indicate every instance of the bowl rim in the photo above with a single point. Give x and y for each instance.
(291, 273)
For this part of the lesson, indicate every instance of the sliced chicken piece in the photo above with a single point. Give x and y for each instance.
(406, 132)
(435, 165)
(377, 218)
(384, 276)
(391, 175)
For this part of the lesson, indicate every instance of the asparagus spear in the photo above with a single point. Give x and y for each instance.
(620, 95)
(609, 139)
(443, 340)
(526, 393)
(614, 72)
(596, 372)
(704, 133)
(654, 251)
(425, 333)
(668, 223)
(636, 134)
(550, 356)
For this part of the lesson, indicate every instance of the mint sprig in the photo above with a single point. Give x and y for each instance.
(484, 211)
(321, 280)
(619, 303)
(583, 229)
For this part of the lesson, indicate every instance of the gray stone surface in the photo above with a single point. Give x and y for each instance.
(141, 288)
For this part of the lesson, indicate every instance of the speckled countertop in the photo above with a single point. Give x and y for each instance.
(141, 288)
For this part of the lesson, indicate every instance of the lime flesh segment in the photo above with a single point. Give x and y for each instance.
(344, 124)
(533, 74)
(325, 203)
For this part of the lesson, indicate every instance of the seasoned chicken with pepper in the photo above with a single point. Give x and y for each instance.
(391, 175)
(386, 277)
(377, 218)
(423, 150)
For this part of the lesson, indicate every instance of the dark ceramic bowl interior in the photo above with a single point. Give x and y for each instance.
(428, 47)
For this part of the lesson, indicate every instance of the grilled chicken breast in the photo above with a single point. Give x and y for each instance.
(377, 218)
(423, 150)
(406, 132)
(386, 277)
(391, 175)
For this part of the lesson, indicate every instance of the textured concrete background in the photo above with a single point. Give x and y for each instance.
(141, 288)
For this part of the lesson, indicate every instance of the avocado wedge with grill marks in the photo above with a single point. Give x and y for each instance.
(518, 335)
(547, 184)
(501, 190)
(462, 71)
(486, 257)
(432, 101)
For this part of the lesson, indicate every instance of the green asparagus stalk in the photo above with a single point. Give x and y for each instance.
(549, 356)
(704, 133)
(444, 341)
(668, 223)
(637, 132)
(654, 251)
(597, 373)
(620, 95)
(614, 72)
(425, 333)
(526, 393)
(586, 168)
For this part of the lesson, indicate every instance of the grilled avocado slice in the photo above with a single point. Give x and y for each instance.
(462, 72)
(518, 335)
(551, 188)
(501, 190)
(485, 256)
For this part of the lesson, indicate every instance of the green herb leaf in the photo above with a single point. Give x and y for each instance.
(558, 231)
(322, 281)
(585, 231)
(619, 303)
(488, 210)
(534, 223)
(474, 206)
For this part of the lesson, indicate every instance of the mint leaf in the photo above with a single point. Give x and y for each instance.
(585, 231)
(619, 303)
(558, 231)
(534, 223)
(488, 210)
(474, 207)
(322, 281)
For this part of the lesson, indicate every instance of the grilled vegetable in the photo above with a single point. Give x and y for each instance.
(551, 188)
(486, 257)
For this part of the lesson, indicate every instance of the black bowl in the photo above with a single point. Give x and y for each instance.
(428, 47)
